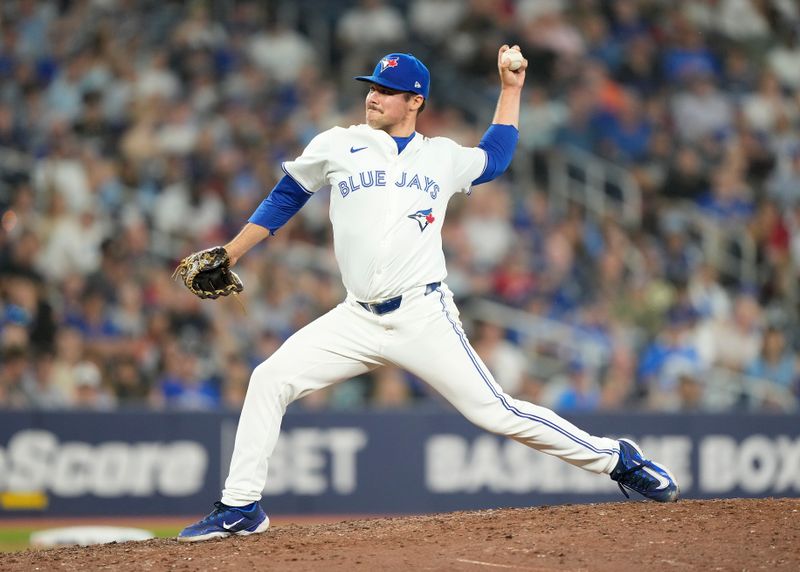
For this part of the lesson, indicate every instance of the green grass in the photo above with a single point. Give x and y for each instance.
(15, 539)
(12, 540)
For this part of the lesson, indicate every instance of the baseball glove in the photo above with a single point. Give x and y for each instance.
(207, 273)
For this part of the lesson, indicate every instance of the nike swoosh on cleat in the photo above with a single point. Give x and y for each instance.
(663, 482)
(356, 150)
(227, 526)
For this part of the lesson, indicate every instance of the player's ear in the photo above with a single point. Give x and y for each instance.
(417, 101)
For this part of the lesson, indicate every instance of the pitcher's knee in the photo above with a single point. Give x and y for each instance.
(498, 420)
(268, 378)
(497, 427)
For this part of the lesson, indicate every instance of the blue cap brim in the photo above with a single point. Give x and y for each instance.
(383, 83)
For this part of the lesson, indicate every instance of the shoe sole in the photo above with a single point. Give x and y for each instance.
(220, 534)
(677, 494)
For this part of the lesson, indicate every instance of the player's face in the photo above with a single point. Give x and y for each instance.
(386, 107)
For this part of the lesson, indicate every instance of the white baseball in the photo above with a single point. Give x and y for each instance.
(513, 57)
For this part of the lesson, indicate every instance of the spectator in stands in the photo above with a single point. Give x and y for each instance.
(688, 56)
(73, 243)
(708, 298)
(596, 332)
(539, 120)
(639, 69)
(199, 30)
(775, 363)
(40, 388)
(740, 75)
(93, 321)
(745, 21)
(686, 176)
(93, 126)
(514, 281)
(129, 385)
(619, 380)
(728, 201)
(783, 57)
(266, 344)
(390, 389)
(487, 226)
(551, 30)
(433, 21)
(770, 232)
(276, 308)
(182, 384)
(114, 270)
(702, 110)
(368, 28)
(600, 44)
(671, 355)
(69, 351)
(580, 392)
(14, 324)
(784, 184)
(690, 395)
(680, 256)
(372, 23)
(64, 94)
(282, 53)
(89, 391)
(505, 361)
(578, 131)
(15, 374)
(763, 108)
(732, 342)
(563, 279)
(156, 80)
(21, 289)
(127, 316)
(627, 134)
(533, 221)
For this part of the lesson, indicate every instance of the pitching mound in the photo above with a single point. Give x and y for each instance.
(695, 535)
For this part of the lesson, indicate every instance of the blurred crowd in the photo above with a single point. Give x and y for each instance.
(135, 132)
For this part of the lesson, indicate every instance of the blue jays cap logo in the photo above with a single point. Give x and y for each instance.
(401, 72)
(423, 218)
(388, 63)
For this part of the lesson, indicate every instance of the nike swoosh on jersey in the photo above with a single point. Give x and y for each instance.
(227, 526)
(356, 150)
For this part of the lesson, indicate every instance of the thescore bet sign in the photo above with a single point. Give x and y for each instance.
(37, 461)
(129, 463)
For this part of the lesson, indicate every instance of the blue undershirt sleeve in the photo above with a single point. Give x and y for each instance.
(281, 204)
(499, 143)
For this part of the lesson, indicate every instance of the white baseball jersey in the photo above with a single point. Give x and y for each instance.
(387, 209)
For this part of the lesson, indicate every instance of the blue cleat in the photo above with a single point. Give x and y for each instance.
(226, 520)
(649, 479)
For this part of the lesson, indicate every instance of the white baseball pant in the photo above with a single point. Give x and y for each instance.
(424, 336)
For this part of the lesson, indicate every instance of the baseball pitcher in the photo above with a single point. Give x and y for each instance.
(389, 192)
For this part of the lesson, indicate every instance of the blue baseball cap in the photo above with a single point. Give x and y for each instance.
(402, 72)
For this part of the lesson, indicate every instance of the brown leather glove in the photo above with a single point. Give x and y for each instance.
(207, 274)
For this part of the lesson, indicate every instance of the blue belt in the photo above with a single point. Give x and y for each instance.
(392, 304)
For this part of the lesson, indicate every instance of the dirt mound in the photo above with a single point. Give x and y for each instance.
(734, 534)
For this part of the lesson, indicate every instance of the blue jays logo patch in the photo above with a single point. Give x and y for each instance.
(388, 63)
(423, 218)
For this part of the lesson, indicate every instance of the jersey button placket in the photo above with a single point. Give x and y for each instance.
(385, 242)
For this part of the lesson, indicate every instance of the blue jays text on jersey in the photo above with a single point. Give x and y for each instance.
(377, 178)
